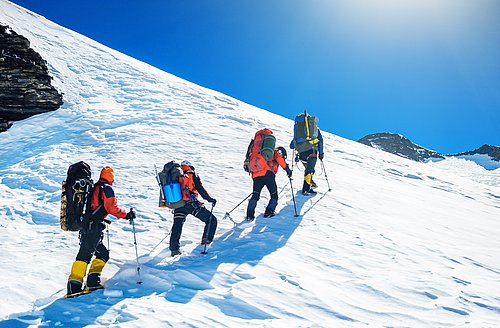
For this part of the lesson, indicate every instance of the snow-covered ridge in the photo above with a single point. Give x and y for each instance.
(486, 156)
(395, 243)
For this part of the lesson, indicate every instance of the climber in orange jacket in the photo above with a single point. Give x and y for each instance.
(103, 202)
(263, 173)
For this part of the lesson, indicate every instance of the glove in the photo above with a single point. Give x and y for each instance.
(246, 166)
(288, 171)
(321, 155)
(297, 158)
(213, 201)
(130, 215)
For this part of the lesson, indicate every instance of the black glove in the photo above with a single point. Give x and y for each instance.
(130, 215)
(212, 200)
(288, 171)
(297, 158)
(321, 155)
(246, 167)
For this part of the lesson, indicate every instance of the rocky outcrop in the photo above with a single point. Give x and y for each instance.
(25, 84)
(399, 145)
(491, 151)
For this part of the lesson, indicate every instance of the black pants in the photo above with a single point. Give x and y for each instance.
(268, 180)
(91, 244)
(199, 212)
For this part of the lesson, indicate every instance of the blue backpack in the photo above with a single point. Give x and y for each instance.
(170, 187)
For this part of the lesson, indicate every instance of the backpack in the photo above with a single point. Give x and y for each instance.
(76, 198)
(261, 150)
(170, 187)
(305, 132)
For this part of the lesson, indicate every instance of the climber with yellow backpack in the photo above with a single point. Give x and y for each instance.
(308, 143)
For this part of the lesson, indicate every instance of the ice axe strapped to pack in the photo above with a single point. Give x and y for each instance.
(75, 197)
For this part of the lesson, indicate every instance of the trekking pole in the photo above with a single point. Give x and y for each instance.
(136, 253)
(326, 176)
(291, 186)
(208, 229)
(283, 188)
(227, 213)
(293, 197)
(107, 234)
(161, 241)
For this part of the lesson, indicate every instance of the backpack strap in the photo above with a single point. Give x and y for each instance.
(100, 211)
(308, 133)
(249, 149)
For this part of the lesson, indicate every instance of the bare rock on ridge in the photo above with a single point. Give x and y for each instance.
(25, 84)
(399, 145)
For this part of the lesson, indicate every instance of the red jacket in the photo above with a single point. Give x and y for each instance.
(271, 165)
(108, 200)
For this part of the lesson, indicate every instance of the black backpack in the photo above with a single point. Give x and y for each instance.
(76, 198)
(170, 188)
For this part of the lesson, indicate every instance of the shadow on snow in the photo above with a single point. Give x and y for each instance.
(180, 279)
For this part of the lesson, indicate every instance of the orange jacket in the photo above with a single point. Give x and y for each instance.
(108, 200)
(271, 165)
(191, 185)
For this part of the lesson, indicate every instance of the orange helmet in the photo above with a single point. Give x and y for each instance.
(107, 174)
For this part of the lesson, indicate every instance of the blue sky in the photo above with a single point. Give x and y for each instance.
(428, 69)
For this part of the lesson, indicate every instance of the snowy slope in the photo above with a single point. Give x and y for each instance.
(395, 243)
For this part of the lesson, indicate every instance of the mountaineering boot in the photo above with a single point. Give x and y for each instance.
(307, 186)
(75, 279)
(175, 253)
(310, 192)
(313, 184)
(94, 277)
(269, 213)
(249, 218)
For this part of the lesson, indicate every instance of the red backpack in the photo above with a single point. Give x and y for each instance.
(261, 151)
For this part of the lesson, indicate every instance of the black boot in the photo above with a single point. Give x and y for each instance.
(175, 252)
(269, 213)
(305, 188)
(94, 281)
(73, 287)
(75, 279)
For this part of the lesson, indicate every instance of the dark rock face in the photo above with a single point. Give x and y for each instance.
(25, 85)
(399, 145)
(492, 151)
